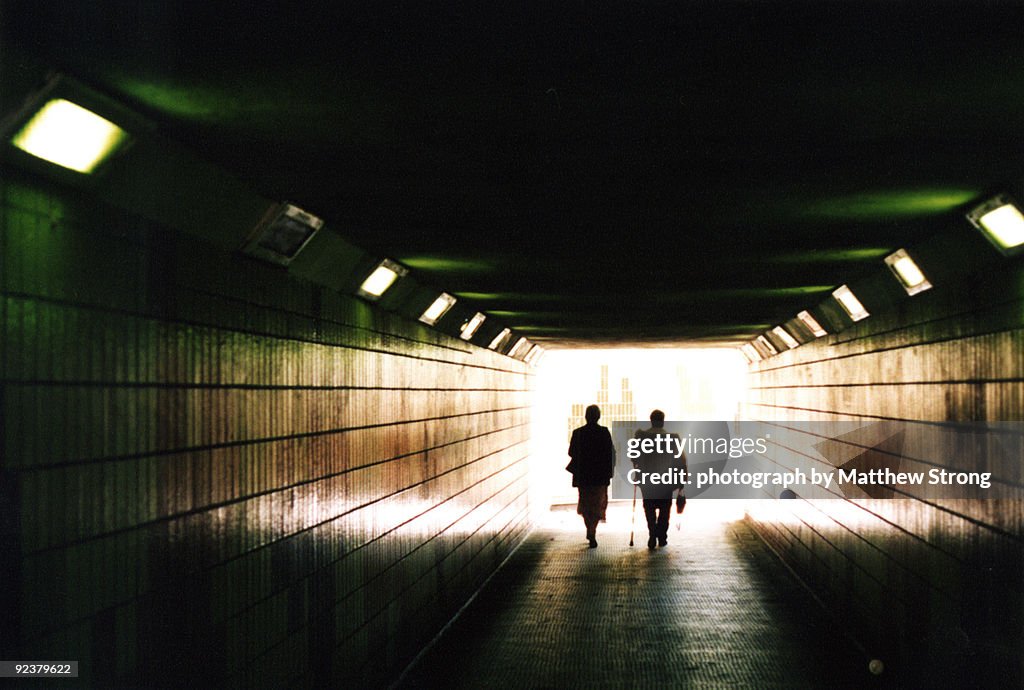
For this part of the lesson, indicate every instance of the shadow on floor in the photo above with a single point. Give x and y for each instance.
(713, 609)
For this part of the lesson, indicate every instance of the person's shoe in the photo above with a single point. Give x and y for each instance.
(652, 542)
(663, 541)
(593, 543)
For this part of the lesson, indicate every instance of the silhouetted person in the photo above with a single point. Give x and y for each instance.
(592, 466)
(658, 497)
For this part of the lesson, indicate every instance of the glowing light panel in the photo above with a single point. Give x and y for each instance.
(518, 347)
(382, 278)
(812, 323)
(785, 337)
(751, 353)
(767, 345)
(532, 354)
(1003, 225)
(907, 272)
(850, 304)
(470, 327)
(438, 308)
(70, 136)
(499, 339)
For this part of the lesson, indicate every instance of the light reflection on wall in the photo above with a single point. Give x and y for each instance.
(686, 384)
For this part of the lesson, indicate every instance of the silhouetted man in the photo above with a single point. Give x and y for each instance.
(658, 496)
(592, 466)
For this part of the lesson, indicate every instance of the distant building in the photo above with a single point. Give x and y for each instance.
(622, 411)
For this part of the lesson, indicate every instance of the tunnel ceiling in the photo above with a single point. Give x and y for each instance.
(589, 173)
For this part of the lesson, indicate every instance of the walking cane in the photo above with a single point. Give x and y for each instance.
(632, 524)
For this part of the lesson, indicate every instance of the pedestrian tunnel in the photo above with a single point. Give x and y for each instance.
(240, 449)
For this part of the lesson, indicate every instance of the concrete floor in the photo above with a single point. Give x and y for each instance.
(710, 610)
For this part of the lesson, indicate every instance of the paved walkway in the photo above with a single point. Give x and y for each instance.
(711, 610)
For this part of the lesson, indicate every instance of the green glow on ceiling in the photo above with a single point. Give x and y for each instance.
(882, 205)
(510, 296)
(192, 102)
(823, 256)
(426, 262)
(744, 293)
(483, 296)
(256, 104)
(738, 328)
(796, 291)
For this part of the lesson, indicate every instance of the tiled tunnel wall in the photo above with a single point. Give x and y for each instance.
(929, 584)
(215, 473)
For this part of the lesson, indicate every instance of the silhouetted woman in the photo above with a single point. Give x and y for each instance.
(592, 466)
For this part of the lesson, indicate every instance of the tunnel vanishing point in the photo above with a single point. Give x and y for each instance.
(277, 284)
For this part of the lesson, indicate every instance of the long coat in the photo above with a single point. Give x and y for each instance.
(593, 456)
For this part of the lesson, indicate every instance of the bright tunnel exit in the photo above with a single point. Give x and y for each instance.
(627, 384)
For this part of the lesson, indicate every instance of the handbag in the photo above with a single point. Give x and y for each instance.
(680, 502)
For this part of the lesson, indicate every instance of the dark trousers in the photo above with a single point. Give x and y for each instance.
(657, 511)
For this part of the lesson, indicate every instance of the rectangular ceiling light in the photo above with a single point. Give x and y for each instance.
(382, 277)
(850, 304)
(751, 353)
(767, 345)
(1001, 222)
(470, 328)
(783, 335)
(282, 234)
(499, 339)
(518, 347)
(70, 136)
(438, 308)
(907, 272)
(812, 324)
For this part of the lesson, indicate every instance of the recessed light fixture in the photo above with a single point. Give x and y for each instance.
(470, 328)
(767, 345)
(850, 304)
(518, 347)
(907, 272)
(499, 339)
(68, 135)
(438, 308)
(812, 324)
(282, 234)
(382, 278)
(1001, 221)
(783, 335)
(751, 353)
